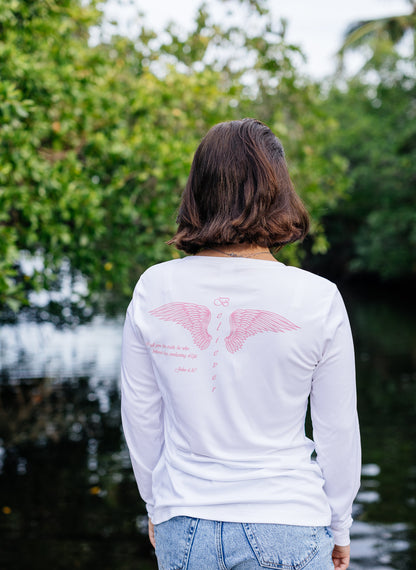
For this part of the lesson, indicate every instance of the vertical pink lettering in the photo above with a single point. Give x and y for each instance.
(220, 302)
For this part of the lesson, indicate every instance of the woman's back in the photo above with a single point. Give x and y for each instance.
(234, 344)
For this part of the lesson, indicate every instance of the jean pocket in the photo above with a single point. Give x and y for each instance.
(173, 542)
(283, 547)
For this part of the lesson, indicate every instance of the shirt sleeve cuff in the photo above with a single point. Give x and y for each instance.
(150, 511)
(341, 537)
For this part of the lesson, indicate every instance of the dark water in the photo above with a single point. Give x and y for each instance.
(67, 495)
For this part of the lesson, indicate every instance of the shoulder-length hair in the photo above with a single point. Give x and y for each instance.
(239, 190)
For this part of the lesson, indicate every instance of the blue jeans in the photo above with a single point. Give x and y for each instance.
(184, 543)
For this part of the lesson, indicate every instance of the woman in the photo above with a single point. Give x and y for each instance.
(221, 352)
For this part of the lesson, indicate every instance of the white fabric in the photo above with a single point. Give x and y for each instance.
(219, 358)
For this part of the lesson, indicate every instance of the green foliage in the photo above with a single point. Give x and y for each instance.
(375, 229)
(97, 140)
(47, 201)
(381, 36)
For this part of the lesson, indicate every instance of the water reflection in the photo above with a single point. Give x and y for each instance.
(67, 494)
(40, 350)
(66, 482)
(378, 546)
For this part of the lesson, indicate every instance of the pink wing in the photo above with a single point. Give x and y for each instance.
(194, 318)
(249, 322)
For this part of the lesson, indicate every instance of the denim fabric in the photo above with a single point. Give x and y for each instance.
(184, 543)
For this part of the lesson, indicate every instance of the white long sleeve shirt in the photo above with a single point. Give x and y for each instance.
(220, 356)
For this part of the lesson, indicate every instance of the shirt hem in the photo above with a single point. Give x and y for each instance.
(241, 514)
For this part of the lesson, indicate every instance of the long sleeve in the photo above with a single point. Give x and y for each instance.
(335, 421)
(141, 408)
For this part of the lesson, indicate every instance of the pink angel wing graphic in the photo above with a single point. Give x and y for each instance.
(192, 317)
(249, 322)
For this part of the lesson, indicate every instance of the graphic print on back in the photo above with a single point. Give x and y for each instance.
(243, 323)
(249, 322)
(194, 318)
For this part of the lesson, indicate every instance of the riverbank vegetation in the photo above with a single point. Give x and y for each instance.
(98, 129)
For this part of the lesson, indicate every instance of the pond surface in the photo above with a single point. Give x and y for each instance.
(68, 498)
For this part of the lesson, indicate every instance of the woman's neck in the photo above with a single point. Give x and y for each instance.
(248, 250)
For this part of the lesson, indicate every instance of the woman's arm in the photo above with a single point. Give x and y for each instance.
(141, 408)
(335, 421)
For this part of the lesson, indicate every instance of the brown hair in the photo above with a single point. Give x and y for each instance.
(239, 190)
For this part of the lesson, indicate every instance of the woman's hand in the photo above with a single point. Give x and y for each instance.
(152, 534)
(341, 557)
